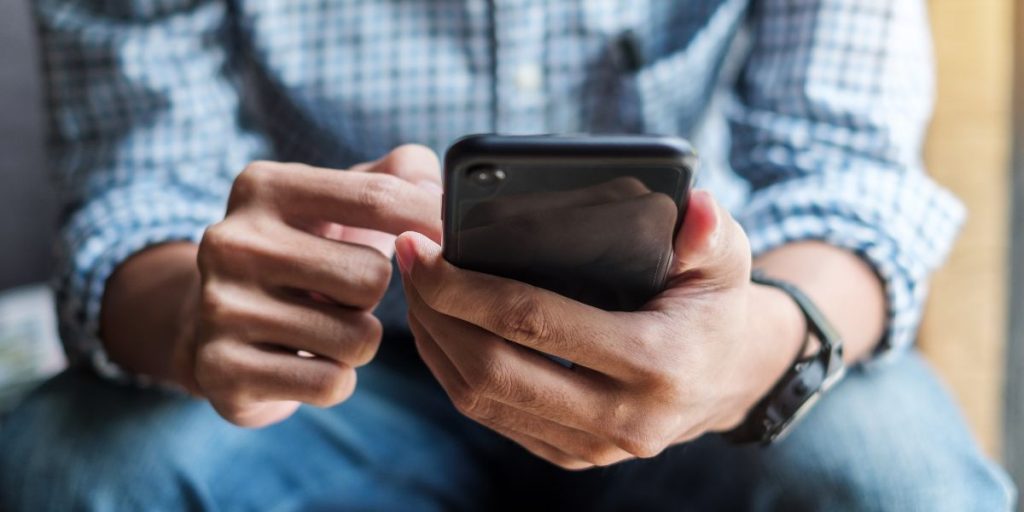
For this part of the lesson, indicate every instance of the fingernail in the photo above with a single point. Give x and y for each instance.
(708, 199)
(430, 186)
(708, 203)
(405, 253)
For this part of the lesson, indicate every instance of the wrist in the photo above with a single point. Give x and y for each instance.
(182, 364)
(144, 316)
(777, 331)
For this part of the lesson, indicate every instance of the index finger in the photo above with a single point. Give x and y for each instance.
(411, 162)
(380, 202)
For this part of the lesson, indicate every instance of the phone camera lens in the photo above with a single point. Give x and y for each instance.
(485, 176)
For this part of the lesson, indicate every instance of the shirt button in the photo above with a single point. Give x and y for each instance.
(529, 77)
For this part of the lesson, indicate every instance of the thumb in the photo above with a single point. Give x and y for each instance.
(415, 251)
(711, 247)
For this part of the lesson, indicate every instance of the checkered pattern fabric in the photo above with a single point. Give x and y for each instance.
(809, 113)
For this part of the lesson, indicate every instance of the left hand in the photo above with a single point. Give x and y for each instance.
(694, 359)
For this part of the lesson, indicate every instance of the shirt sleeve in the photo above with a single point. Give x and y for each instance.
(827, 127)
(147, 133)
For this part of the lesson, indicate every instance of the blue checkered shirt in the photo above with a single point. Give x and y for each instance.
(809, 114)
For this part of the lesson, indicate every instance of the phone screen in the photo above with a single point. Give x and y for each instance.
(600, 234)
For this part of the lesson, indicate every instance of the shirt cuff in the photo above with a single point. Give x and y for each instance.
(101, 236)
(902, 223)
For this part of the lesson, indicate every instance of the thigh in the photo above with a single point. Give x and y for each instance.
(83, 443)
(886, 438)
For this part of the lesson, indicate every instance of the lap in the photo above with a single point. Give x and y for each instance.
(886, 438)
(82, 443)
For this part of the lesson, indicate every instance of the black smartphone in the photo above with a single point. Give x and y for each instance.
(591, 217)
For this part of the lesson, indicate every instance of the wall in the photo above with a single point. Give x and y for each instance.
(26, 201)
(1014, 419)
(964, 331)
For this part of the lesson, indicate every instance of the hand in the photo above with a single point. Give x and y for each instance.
(290, 278)
(692, 360)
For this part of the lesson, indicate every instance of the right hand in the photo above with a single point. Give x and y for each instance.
(290, 278)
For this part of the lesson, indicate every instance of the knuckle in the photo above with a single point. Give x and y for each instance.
(371, 331)
(667, 385)
(251, 182)
(373, 275)
(237, 247)
(602, 455)
(470, 403)
(234, 394)
(568, 463)
(334, 387)
(213, 368)
(212, 302)
(379, 193)
(491, 379)
(212, 305)
(232, 411)
(659, 380)
(643, 443)
(217, 308)
(646, 334)
(524, 319)
(210, 247)
(211, 356)
(652, 361)
(440, 298)
(251, 414)
(219, 242)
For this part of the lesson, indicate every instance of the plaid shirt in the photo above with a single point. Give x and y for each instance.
(809, 114)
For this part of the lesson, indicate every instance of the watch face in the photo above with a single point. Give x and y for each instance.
(833, 379)
(783, 428)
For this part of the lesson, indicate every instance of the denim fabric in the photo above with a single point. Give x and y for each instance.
(888, 438)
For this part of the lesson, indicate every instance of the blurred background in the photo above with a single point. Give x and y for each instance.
(973, 329)
(28, 339)
(27, 218)
(974, 325)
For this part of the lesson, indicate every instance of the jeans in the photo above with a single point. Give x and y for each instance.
(886, 438)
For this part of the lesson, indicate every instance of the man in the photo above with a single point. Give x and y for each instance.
(264, 289)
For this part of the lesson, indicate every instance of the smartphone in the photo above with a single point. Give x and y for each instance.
(591, 217)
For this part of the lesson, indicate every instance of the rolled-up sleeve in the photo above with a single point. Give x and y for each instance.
(827, 128)
(147, 134)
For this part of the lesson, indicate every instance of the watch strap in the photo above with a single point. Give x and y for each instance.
(801, 385)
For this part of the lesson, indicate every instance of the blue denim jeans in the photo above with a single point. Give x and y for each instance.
(887, 438)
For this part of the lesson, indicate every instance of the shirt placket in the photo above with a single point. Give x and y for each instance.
(519, 29)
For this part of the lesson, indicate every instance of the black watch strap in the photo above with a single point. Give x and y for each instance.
(802, 385)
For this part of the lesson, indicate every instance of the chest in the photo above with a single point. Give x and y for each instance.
(376, 73)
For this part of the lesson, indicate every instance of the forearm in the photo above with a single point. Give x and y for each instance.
(840, 283)
(143, 312)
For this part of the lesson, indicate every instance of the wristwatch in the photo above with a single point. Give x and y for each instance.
(804, 383)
